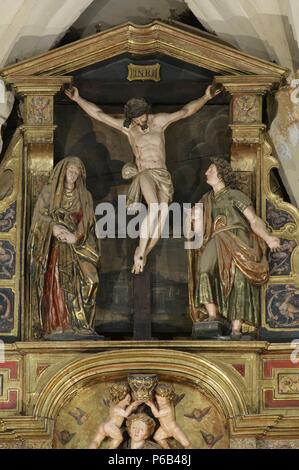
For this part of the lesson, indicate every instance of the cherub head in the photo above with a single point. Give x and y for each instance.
(140, 426)
(119, 392)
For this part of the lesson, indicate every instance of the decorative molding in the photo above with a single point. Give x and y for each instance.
(288, 383)
(247, 134)
(31, 85)
(263, 425)
(258, 84)
(26, 427)
(228, 390)
(198, 347)
(38, 134)
(155, 38)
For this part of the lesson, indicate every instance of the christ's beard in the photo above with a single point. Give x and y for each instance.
(144, 127)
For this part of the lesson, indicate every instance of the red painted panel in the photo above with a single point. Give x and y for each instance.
(277, 364)
(13, 367)
(271, 403)
(241, 368)
(12, 402)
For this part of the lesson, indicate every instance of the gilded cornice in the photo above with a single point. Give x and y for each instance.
(157, 37)
(252, 84)
(37, 85)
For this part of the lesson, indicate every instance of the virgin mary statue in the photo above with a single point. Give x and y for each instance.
(64, 255)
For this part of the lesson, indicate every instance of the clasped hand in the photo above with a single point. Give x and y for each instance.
(64, 235)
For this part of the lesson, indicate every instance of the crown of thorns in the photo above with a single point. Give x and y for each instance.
(135, 108)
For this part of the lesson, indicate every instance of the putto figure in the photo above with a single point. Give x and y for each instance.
(120, 407)
(151, 179)
(226, 272)
(64, 255)
(165, 413)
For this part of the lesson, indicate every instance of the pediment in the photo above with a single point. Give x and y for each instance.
(186, 44)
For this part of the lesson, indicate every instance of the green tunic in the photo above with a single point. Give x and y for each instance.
(242, 303)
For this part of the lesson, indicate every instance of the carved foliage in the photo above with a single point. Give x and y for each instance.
(8, 218)
(7, 299)
(246, 109)
(7, 260)
(282, 306)
(280, 262)
(277, 218)
(288, 384)
(39, 110)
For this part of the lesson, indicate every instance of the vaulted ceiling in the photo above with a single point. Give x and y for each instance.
(268, 29)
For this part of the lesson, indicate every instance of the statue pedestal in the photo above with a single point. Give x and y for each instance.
(142, 326)
(210, 330)
(72, 336)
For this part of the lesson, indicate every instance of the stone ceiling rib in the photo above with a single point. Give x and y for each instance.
(30, 27)
(267, 29)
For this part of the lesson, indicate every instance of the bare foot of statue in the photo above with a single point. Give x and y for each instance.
(139, 261)
(212, 310)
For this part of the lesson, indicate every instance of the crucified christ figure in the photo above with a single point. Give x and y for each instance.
(146, 135)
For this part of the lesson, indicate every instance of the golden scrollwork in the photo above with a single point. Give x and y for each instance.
(12, 210)
(289, 231)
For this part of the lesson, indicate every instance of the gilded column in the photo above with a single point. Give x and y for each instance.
(246, 123)
(38, 127)
(38, 134)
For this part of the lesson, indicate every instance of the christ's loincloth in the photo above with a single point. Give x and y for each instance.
(160, 177)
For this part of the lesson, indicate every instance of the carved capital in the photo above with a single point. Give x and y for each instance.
(38, 94)
(249, 84)
(38, 134)
(247, 134)
(43, 86)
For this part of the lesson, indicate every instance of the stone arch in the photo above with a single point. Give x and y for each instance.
(222, 385)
